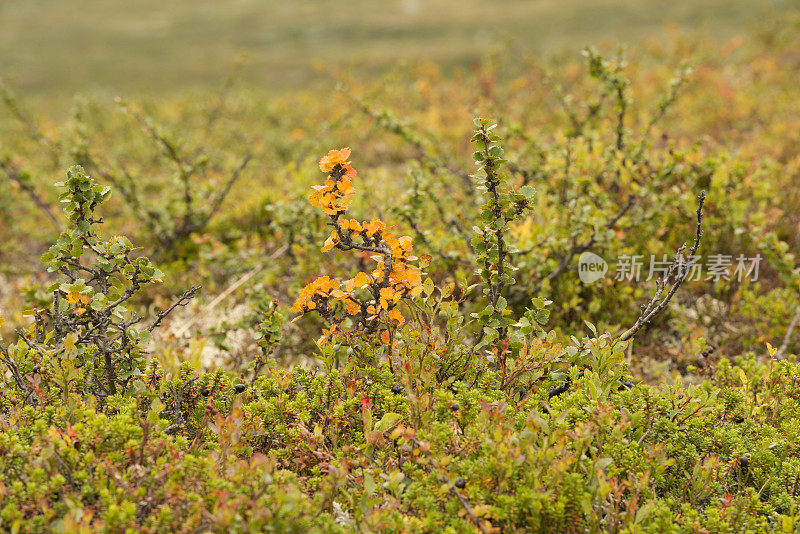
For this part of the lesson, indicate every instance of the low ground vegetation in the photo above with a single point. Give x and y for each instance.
(221, 320)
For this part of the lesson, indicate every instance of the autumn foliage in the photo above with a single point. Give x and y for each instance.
(154, 375)
(369, 296)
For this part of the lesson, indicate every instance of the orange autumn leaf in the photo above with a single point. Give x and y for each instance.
(361, 279)
(334, 158)
(395, 315)
(393, 276)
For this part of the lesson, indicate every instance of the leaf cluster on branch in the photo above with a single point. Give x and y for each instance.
(365, 299)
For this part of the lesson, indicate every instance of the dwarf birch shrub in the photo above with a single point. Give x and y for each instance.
(86, 341)
(500, 209)
(368, 297)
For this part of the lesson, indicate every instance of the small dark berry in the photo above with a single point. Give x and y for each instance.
(36, 369)
(744, 462)
(172, 429)
(738, 419)
(396, 390)
(460, 483)
(454, 407)
(240, 388)
(205, 392)
(623, 385)
(559, 389)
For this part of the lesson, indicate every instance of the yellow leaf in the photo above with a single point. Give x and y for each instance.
(69, 343)
(361, 279)
(396, 316)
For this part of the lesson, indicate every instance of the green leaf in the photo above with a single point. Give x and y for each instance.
(447, 290)
(427, 286)
(591, 327)
(388, 421)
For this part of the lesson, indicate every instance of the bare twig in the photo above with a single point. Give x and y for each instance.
(677, 273)
(183, 300)
(788, 337)
(16, 175)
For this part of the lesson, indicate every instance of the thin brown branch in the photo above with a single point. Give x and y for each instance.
(788, 337)
(580, 248)
(678, 271)
(183, 300)
(15, 175)
(223, 194)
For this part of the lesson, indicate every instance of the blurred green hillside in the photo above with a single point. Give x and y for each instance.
(50, 47)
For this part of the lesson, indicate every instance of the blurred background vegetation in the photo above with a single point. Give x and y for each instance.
(53, 48)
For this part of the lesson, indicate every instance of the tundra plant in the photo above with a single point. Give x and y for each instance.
(367, 298)
(501, 207)
(87, 341)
